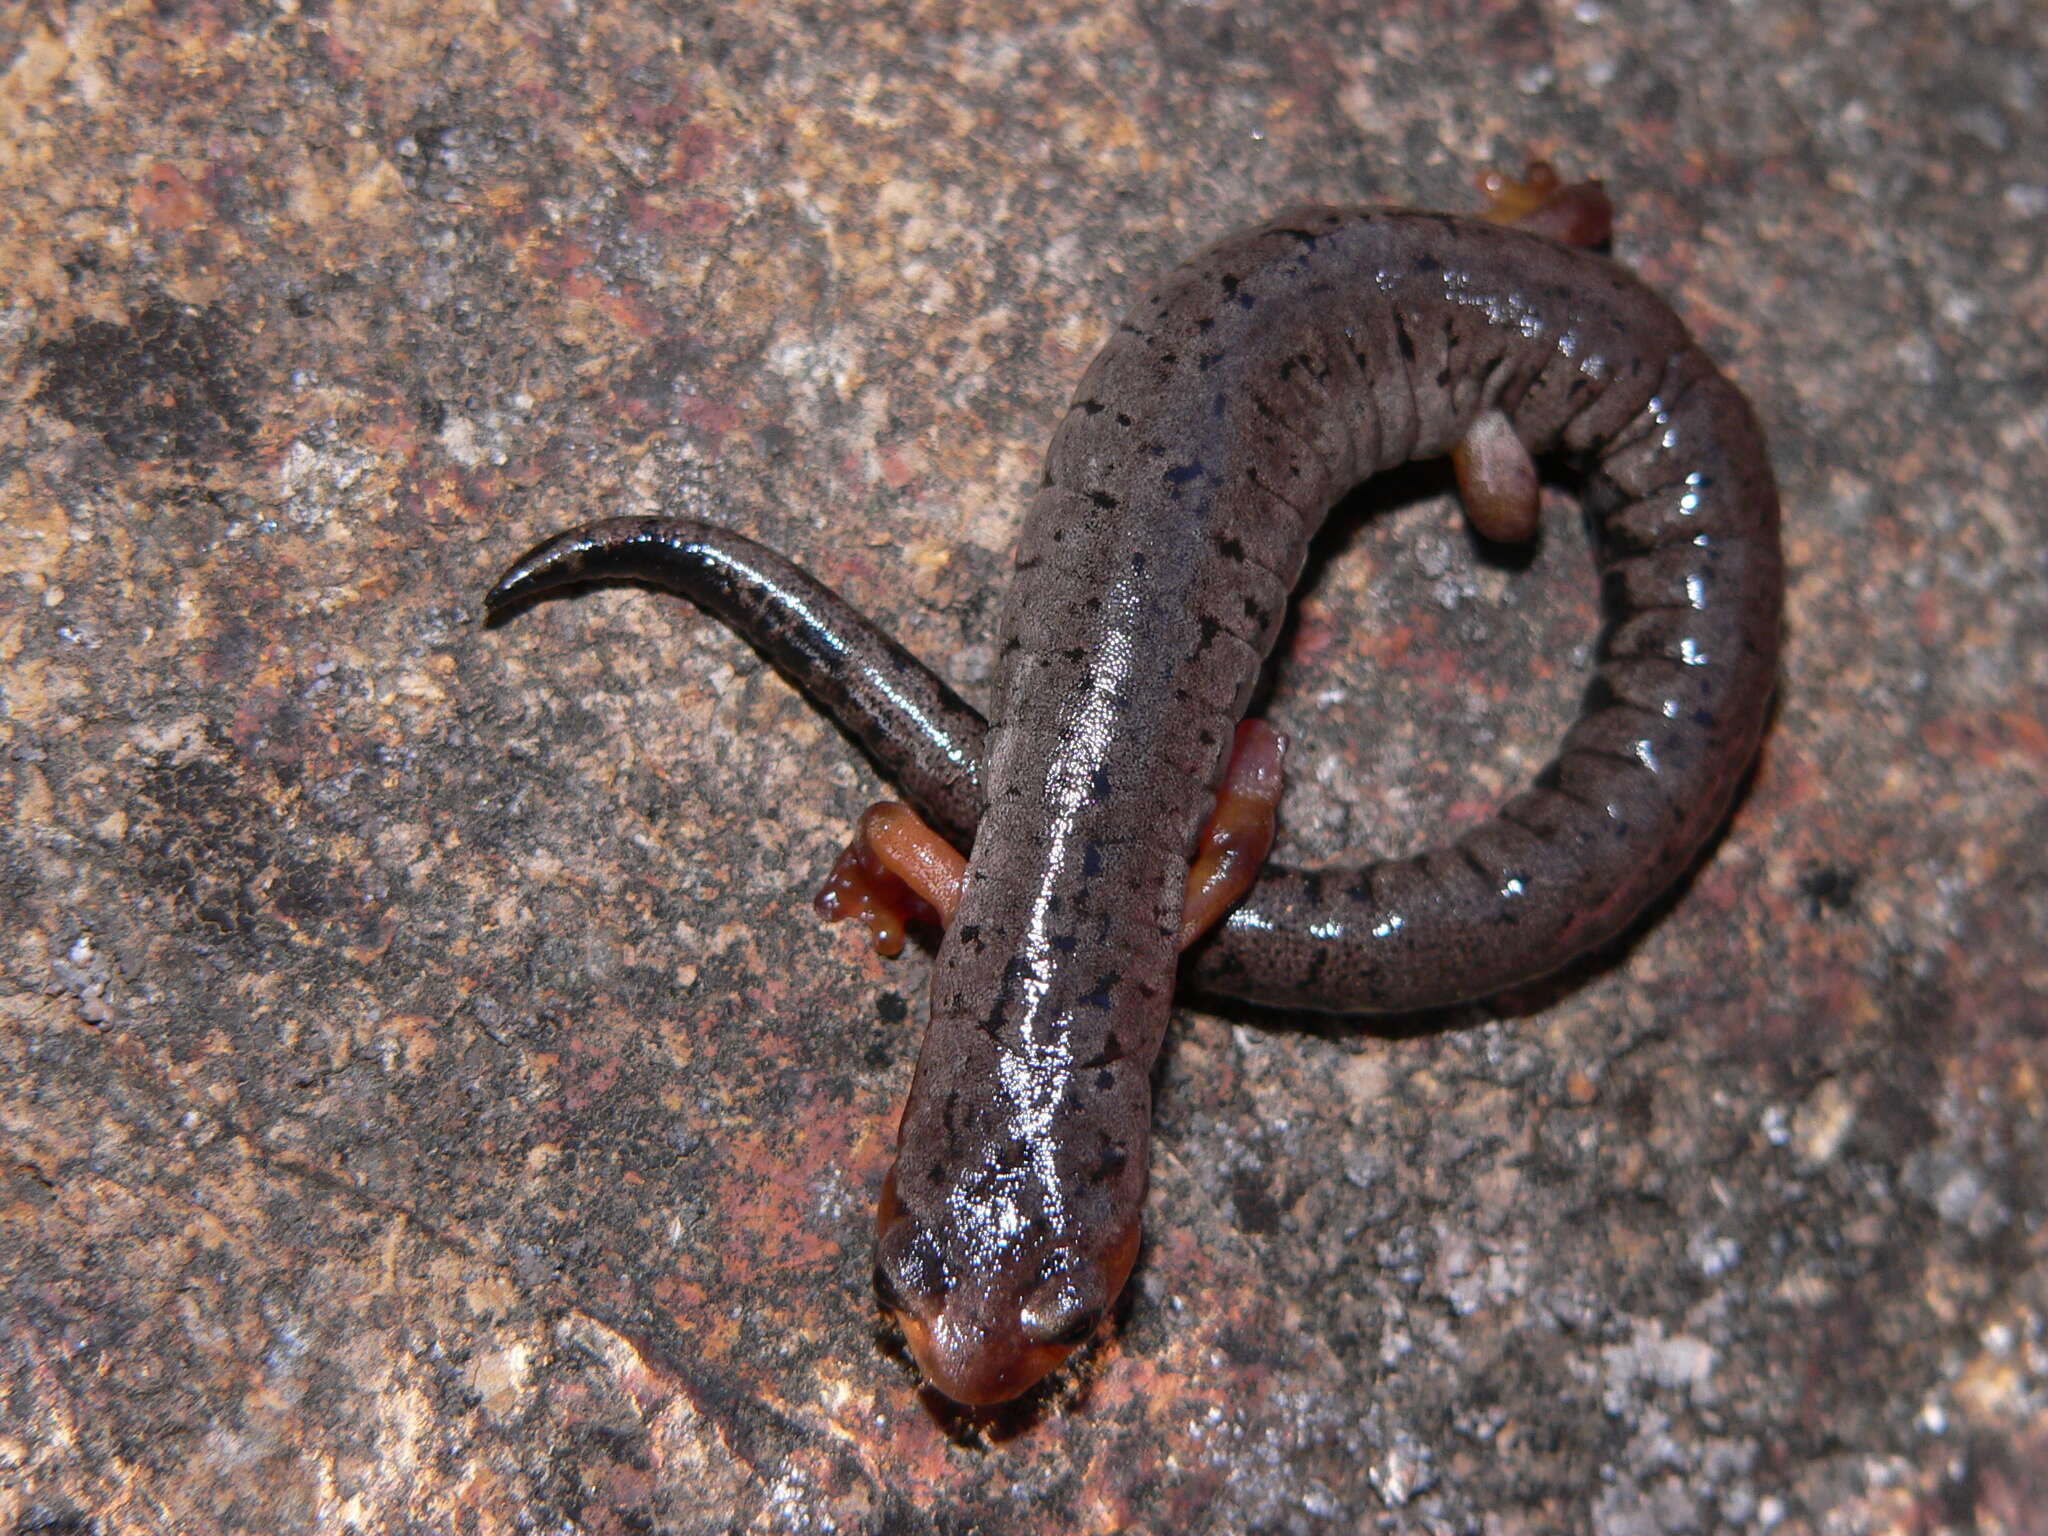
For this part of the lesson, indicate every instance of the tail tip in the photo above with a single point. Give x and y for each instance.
(513, 588)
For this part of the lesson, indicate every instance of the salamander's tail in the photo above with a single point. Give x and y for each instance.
(919, 731)
(644, 548)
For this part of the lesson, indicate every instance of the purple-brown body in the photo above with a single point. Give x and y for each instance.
(1240, 399)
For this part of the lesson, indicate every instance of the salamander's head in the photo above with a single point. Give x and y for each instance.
(989, 1319)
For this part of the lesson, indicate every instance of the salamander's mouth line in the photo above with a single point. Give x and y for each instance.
(1236, 403)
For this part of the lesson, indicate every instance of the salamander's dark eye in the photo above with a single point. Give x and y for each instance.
(886, 1292)
(1077, 1331)
(909, 1279)
(1062, 1315)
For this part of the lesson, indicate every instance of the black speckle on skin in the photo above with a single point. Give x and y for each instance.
(1104, 500)
(1090, 407)
(1231, 548)
(1478, 865)
(1091, 860)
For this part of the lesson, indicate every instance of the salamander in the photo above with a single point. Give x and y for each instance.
(1240, 398)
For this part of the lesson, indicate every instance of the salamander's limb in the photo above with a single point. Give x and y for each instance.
(898, 873)
(1537, 200)
(1497, 479)
(1239, 834)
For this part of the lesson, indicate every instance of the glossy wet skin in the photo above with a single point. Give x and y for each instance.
(1243, 396)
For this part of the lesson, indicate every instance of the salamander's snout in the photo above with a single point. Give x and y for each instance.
(986, 1335)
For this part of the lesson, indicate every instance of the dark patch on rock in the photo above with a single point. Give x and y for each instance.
(167, 385)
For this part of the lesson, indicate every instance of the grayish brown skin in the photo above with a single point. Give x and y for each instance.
(1240, 399)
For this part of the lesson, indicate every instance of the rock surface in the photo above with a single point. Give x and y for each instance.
(427, 1101)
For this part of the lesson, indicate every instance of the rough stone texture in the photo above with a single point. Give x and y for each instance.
(429, 1103)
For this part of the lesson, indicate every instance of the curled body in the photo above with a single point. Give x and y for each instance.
(1238, 401)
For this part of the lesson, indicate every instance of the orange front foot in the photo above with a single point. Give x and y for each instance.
(895, 873)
